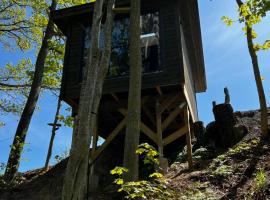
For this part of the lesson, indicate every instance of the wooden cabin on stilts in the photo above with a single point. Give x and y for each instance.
(173, 72)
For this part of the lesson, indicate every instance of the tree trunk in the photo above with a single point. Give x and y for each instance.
(20, 135)
(257, 75)
(54, 129)
(134, 98)
(75, 183)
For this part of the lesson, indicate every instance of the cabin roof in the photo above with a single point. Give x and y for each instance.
(62, 18)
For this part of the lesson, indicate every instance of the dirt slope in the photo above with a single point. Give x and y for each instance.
(241, 172)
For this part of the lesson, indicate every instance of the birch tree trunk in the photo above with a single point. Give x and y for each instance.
(134, 98)
(75, 183)
(258, 80)
(23, 125)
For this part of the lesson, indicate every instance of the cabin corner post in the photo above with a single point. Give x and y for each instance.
(188, 137)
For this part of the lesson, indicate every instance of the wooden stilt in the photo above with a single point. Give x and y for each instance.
(159, 129)
(188, 139)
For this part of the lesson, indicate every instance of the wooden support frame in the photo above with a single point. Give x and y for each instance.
(155, 136)
(149, 114)
(174, 136)
(113, 134)
(173, 115)
(145, 129)
(167, 102)
(159, 129)
(188, 137)
(121, 10)
(159, 90)
(115, 96)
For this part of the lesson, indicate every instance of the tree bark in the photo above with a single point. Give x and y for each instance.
(134, 99)
(54, 129)
(257, 75)
(22, 128)
(75, 183)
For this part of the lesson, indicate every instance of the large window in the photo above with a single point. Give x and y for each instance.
(119, 64)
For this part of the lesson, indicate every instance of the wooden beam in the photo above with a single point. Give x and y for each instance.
(159, 130)
(188, 138)
(109, 139)
(148, 132)
(121, 10)
(124, 111)
(159, 90)
(115, 96)
(145, 129)
(173, 115)
(174, 136)
(167, 102)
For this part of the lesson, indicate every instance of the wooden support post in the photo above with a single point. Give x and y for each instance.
(121, 10)
(188, 139)
(159, 129)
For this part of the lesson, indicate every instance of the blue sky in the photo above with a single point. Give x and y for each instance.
(227, 64)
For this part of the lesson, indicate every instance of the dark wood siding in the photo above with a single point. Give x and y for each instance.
(171, 54)
(72, 67)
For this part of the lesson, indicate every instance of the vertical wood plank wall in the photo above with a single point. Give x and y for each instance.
(171, 55)
(189, 88)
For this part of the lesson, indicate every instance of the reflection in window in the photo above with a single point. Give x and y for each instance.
(119, 63)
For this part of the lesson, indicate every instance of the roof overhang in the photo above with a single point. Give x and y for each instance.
(201, 85)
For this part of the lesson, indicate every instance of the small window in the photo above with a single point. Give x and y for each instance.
(119, 63)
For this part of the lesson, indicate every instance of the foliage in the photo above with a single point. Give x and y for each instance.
(223, 171)
(149, 153)
(251, 13)
(195, 192)
(260, 178)
(22, 26)
(243, 147)
(66, 120)
(14, 24)
(157, 188)
(199, 154)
